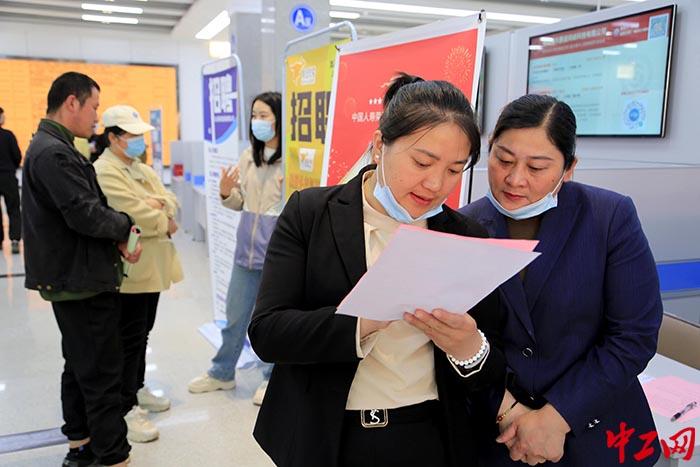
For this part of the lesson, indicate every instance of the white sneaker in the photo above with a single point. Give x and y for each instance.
(260, 393)
(151, 402)
(141, 430)
(206, 383)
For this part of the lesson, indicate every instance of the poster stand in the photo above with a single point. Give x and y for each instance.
(290, 44)
(450, 50)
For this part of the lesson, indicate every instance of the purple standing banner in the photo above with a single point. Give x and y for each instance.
(220, 94)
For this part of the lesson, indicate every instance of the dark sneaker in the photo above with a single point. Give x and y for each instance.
(79, 457)
(15, 247)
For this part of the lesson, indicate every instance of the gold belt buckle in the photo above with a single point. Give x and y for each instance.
(374, 418)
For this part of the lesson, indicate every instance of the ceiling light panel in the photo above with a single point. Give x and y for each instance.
(343, 14)
(107, 19)
(439, 11)
(112, 8)
(215, 26)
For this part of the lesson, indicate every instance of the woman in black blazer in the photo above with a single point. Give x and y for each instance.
(330, 369)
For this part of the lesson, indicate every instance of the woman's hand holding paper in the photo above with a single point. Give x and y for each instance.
(454, 333)
(368, 326)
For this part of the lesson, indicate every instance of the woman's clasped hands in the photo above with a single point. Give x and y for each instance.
(533, 436)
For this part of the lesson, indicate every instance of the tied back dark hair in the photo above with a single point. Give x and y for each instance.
(412, 103)
(102, 141)
(534, 111)
(70, 83)
(274, 100)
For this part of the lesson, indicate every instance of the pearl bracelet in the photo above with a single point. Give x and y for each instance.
(476, 358)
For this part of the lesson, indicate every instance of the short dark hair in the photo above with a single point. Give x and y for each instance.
(274, 100)
(70, 83)
(2, 111)
(534, 111)
(412, 103)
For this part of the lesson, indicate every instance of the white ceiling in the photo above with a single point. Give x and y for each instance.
(372, 22)
(158, 15)
(164, 15)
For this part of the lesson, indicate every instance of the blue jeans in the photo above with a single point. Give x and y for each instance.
(240, 302)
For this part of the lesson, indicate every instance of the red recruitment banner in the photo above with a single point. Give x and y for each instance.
(612, 33)
(362, 78)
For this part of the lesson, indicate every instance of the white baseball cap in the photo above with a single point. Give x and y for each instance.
(125, 117)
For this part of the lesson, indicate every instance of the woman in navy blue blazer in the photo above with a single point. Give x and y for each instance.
(583, 318)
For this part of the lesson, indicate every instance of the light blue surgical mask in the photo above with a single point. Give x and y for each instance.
(263, 130)
(135, 146)
(383, 194)
(549, 201)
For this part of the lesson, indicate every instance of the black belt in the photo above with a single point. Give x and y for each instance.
(380, 418)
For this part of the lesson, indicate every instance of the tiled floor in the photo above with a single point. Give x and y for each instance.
(200, 430)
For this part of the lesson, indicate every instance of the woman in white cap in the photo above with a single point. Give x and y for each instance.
(134, 188)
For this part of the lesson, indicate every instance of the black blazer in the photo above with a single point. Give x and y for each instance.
(315, 257)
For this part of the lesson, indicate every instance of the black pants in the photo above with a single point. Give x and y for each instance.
(137, 319)
(417, 443)
(91, 380)
(9, 189)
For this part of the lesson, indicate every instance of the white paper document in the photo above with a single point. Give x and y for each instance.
(420, 268)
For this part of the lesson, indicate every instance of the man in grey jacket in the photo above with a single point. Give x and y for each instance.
(72, 247)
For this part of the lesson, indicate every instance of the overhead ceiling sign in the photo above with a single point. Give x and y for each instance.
(303, 18)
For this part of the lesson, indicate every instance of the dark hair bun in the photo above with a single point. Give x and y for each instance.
(400, 80)
(411, 104)
(102, 141)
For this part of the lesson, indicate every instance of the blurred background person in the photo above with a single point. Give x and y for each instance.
(10, 158)
(134, 188)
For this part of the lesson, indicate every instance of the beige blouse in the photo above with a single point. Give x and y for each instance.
(397, 367)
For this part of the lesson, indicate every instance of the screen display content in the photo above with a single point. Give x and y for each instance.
(614, 74)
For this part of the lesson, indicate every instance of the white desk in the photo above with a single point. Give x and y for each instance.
(660, 366)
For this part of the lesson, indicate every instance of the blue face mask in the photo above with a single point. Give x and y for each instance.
(262, 130)
(531, 210)
(135, 146)
(383, 194)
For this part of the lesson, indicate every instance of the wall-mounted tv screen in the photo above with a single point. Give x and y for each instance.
(614, 74)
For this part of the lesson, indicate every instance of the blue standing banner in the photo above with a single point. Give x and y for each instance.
(222, 111)
(221, 86)
(222, 132)
(220, 105)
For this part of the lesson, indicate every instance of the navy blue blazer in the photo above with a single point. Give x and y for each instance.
(584, 323)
